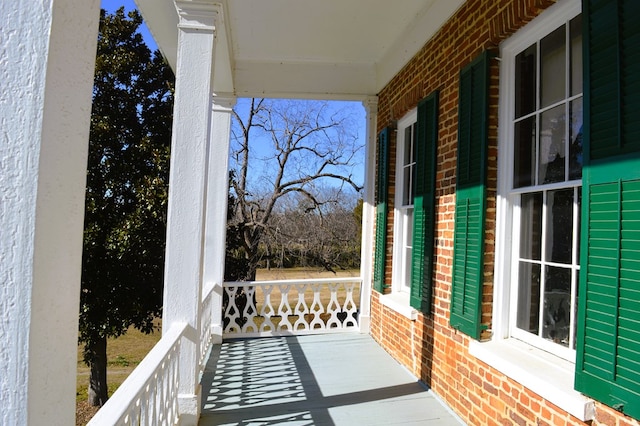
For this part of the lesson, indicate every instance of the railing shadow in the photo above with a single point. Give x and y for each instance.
(270, 381)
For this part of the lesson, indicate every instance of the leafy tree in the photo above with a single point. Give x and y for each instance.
(126, 197)
(283, 150)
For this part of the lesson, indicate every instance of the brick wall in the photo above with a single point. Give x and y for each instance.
(433, 351)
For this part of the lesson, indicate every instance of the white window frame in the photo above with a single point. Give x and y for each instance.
(401, 265)
(399, 297)
(546, 374)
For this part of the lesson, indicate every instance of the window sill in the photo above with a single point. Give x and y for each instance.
(399, 302)
(541, 372)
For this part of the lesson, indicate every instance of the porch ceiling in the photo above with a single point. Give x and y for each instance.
(308, 48)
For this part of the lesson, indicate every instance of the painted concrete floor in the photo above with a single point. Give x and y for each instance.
(339, 379)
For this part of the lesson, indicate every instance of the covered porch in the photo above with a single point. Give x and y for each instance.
(219, 50)
(296, 354)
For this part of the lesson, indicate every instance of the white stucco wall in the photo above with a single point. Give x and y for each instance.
(47, 53)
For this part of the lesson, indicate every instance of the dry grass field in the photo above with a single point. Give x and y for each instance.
(125, 352)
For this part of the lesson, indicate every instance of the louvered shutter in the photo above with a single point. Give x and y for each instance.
(423, 204)
(466, 291)
(608, 346)
(381, 210)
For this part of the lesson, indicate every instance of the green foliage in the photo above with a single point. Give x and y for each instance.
(127, 184)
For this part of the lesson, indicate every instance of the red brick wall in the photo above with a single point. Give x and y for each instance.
(431, 349)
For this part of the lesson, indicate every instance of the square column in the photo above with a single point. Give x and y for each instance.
(217, 200)
(188, 192)
(366, 253)
(48, 58)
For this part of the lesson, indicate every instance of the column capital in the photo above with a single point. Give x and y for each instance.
(371, 105)
(199, 15)
(223, 102)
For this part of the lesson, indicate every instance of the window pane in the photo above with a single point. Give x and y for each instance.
(531, 226)
(552, 146)
(579, 207)
(575, 136)
(576, 55)
(559, 237)
(526, 82)
(528, 297)
(407, 146)
(557, 305)
(414, 144)
(406, 190)
(407, 249)
(524, 153)
(552, 67)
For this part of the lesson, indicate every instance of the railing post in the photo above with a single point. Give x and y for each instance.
(366, 254)
(216, 218)
(188, 191)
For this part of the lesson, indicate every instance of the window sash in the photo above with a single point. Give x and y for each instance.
(537, 312)
(403, 215)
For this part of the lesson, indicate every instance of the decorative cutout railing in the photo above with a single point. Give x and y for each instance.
(149, 396)
(276, 308)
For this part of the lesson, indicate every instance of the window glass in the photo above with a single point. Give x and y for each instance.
(526, 91)
(524, 152)
(531, 226)
(576, 55)
(553, 66)
(551, 164)
(408, 166)
(575, 138)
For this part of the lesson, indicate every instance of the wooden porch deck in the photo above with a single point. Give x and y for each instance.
(334, 379)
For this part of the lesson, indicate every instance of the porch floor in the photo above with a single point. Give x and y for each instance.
(336, 379)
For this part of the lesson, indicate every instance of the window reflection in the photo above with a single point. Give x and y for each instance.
(557, 305)
(552, 67)
(552, 146)
(575, 136)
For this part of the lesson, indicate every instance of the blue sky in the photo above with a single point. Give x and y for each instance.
(358, 110)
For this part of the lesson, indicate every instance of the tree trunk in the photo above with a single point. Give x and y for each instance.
(98, 376)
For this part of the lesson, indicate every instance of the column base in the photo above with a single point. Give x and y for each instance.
(189, 408)
(365, 323)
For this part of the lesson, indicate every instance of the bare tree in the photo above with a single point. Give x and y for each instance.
(282, 148)
(326, 237)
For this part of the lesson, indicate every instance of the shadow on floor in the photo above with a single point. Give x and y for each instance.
(344, 379)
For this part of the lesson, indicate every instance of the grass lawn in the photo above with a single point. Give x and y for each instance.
(125, 352)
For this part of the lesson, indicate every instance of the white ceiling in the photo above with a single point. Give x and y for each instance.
(336, 49)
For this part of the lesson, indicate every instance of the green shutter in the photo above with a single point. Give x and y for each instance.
(424, 204)
(381, 210)
(608, 341)
(466, 289)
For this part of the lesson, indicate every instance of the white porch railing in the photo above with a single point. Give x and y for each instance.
(206, 315)
(288, 307)
(149, 396)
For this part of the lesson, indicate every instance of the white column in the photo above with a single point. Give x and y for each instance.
(187, 191)
(47, 55)
(217, 198)
(366, 253)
